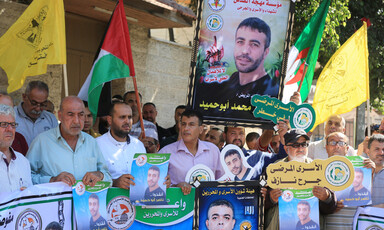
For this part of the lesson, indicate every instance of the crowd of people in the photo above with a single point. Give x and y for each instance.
(36, 148)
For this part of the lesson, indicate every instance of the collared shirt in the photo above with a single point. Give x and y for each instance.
(182, 160)
(378, 188)
(119, 155)
(148, 127)
(30, 129)
(50, 155)
(16, 174)
(316, 150)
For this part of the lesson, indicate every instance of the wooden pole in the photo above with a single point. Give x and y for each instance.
(302, 77)
(65, 79)
(139, 107)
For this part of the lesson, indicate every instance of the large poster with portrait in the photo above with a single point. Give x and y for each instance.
(240, 54)
(230, 205)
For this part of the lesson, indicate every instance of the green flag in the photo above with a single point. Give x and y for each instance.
(303, 55)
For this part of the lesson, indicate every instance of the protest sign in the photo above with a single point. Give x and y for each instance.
(227, 206)
(199, 172)
(90, 205)
(149, 171)
(234, 164)
(335, 173)
(240, 54)
(298, 210)
(37, 207)
(300, 116)
(359, 193)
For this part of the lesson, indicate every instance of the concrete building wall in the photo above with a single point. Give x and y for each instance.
(162, 67)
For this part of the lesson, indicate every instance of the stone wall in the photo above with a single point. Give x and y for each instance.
(162, 73)
(162, 67)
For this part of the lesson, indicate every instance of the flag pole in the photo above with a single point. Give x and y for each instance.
(65, 79)
(302, 77)
(369, 118)
(139, 107)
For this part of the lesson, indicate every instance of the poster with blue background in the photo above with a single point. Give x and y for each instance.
(359, 193)
(149, 171)
(228, 207)
(298, 210)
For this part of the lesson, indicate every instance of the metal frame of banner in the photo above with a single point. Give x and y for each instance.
(228, 184)
(230, 121)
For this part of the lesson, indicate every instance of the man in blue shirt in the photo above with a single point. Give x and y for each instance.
(65, 153)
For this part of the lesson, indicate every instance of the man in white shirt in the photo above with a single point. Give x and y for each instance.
(118, 147)
(15, 171)
(316, 150)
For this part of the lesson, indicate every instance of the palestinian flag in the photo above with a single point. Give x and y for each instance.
(113, 62)
(303, 55)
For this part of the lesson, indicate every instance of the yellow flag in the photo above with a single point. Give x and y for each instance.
(36, 39)
(344, 82)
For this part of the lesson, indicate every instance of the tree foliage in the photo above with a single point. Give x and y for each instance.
(344, 18)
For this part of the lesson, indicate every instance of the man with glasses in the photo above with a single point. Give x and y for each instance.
(31, 114)
(296, 146)
(14, 167)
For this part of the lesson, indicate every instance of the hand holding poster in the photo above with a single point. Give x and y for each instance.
(359, 193)
(298, 210)
(149, 171)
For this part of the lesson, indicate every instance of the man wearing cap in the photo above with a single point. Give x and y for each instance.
(151, 143)
(296, 146)
(118, 147)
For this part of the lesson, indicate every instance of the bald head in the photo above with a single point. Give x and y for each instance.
(337, 144)
(6, 100)
(71, 115)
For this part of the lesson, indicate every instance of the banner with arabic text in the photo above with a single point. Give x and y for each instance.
(240, 54)
(43, 206)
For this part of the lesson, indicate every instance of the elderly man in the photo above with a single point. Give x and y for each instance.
(130, 99)
(317, 150)
(30, 114)
(376, 154)
(150, 114)
(190, 151)
(15, 172)
(216, 137)
(19, 143)
(296, 146)
(118, 147)
(65, 153)
(337, 145)
(151, 143)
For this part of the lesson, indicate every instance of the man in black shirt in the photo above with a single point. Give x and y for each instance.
(154, 191)
(97, 222)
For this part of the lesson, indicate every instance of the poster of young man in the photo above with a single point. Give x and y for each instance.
(90, 205)
(240, 54)
(235, 164)
(228, 208)
(359, 193)
(149, 171)
(298, 210)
